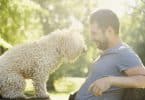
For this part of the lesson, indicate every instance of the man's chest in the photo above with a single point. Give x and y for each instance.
(106, 65)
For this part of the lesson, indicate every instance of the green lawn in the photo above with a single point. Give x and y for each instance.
(64, 87)
(59, 96)
(53, 95)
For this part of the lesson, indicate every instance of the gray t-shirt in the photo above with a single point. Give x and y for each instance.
(112, 62)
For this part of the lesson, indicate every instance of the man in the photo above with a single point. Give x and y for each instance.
(118, 67)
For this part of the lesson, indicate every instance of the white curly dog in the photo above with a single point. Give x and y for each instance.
(36, 60)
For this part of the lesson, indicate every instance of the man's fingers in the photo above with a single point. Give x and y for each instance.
(99, 93)
(95, 90)
(90, 88)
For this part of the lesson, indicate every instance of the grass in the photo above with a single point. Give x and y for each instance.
(64, 87)
(53, 95)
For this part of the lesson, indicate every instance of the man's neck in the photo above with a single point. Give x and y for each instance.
(114, 43)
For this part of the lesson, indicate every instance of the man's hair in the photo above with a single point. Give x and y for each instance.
(105, 18)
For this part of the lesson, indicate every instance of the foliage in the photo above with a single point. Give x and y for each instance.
(19, 21)
(27, 20)
(133, 28)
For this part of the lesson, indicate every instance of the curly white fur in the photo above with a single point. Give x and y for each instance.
(36, 61)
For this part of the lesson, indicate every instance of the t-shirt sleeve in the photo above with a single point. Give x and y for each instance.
(128, 59)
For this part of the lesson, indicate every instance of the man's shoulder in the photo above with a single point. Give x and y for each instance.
(126, 50)
(126, 54)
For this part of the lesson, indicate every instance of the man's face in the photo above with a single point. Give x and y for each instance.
(98, 35)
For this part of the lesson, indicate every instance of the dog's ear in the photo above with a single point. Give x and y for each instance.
(67, 36)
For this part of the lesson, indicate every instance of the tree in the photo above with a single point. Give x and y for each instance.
(19, 21)
(133, 28)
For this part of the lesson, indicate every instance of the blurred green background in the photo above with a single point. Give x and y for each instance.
(27, 20)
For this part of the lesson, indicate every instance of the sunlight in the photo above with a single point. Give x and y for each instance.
(120, 7)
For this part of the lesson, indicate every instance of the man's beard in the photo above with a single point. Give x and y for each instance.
(102, 45)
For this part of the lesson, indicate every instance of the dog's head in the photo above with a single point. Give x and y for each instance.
(72, 44)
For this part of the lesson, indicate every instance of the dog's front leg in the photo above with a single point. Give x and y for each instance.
(39, 83)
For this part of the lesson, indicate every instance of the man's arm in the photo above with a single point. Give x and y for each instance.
(135, 79)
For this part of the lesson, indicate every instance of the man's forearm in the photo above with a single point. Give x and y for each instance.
(128, 81)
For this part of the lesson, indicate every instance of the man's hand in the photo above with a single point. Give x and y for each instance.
(135, 79)
(100, 86)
